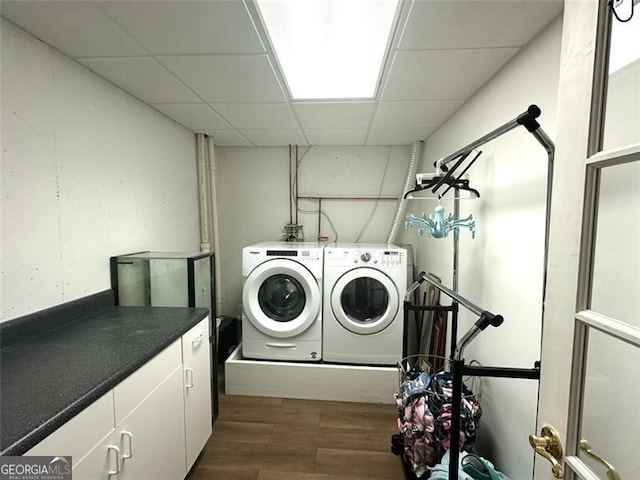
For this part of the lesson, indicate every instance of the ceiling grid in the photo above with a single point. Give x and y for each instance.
(209, 65)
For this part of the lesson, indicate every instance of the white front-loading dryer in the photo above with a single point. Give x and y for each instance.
(364, 289)
(282, 301)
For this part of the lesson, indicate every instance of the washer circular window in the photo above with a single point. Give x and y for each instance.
(281, 298)
(365, 301)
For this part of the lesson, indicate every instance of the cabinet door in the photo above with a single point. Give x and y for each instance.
(133, 390)
(101, 463)
(152, 439)
(79, 435)
(197, 388)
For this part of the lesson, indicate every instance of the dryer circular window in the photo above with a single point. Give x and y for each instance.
(281, 298)
(365, 301)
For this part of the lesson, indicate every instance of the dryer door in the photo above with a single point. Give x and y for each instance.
(365, 301)
(281, 298)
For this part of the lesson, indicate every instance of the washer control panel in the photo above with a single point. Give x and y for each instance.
(304, 256)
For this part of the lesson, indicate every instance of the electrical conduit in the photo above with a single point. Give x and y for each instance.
(416, 151)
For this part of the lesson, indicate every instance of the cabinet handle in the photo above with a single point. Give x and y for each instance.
(188, 373)
(126, 433)
(196, 341)
(115, 471)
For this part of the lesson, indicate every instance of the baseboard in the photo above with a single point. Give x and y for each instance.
(309, 381)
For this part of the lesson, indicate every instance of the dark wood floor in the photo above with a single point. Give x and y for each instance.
(257, 438)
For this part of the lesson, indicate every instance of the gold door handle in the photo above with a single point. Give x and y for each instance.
(548, 445)
(612, 473)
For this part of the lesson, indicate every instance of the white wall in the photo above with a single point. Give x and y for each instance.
(502, 269)
(253, 198)
(87, 172)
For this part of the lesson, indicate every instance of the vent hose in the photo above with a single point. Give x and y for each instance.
(416, 151)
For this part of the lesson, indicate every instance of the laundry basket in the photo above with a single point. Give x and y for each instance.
(424, 401)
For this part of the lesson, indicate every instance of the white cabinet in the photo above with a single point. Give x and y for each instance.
(134, 389)
(152, 443)
(102, 463)
(151, 425)
(82, 433)
(197, 389)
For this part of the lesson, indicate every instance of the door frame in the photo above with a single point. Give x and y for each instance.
(581, 102)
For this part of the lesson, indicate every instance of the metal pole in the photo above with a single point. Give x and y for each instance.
(523, 119)
(413, 288)
(456, 241)
(550, 147)
(481, 141)
(472, 333)
(466, 303)
(454, 430)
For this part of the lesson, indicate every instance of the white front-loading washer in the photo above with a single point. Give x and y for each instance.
(364, 289)
(282, 301)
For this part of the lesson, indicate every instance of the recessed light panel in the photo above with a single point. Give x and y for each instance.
(329, 49)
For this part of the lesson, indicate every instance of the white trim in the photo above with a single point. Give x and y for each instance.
(580, 469)
(311, 381)
(260, 320)
(362, 328)
(620, 330)
(615, 156)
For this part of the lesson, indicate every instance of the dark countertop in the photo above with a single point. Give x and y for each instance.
(49, 375)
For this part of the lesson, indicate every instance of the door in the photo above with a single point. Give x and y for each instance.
(590, 370)
(281, 298)
(197, 389)
(365, 301)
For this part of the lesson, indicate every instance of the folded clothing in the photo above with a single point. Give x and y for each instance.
(478, 469)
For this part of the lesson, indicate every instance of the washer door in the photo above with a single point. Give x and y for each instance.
(281, 298)
(364, 301)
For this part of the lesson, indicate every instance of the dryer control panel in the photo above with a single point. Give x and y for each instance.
(365, 256)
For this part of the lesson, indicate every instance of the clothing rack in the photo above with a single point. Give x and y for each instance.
(458, 368)
(528, 120)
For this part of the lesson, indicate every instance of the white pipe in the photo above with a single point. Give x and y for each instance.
(215, 227)
(201, 152)
(416, 150)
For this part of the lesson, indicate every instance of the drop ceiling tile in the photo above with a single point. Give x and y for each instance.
(195, 116)
(334, 115)
(336, 136)
(442, 74)
(187, 27)
(397, 136)
(417, 114)
(76, 28)
(228, 138)
(264, 138)
(227, 78)
(143, 77)
(476, 24)
(257, 115)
